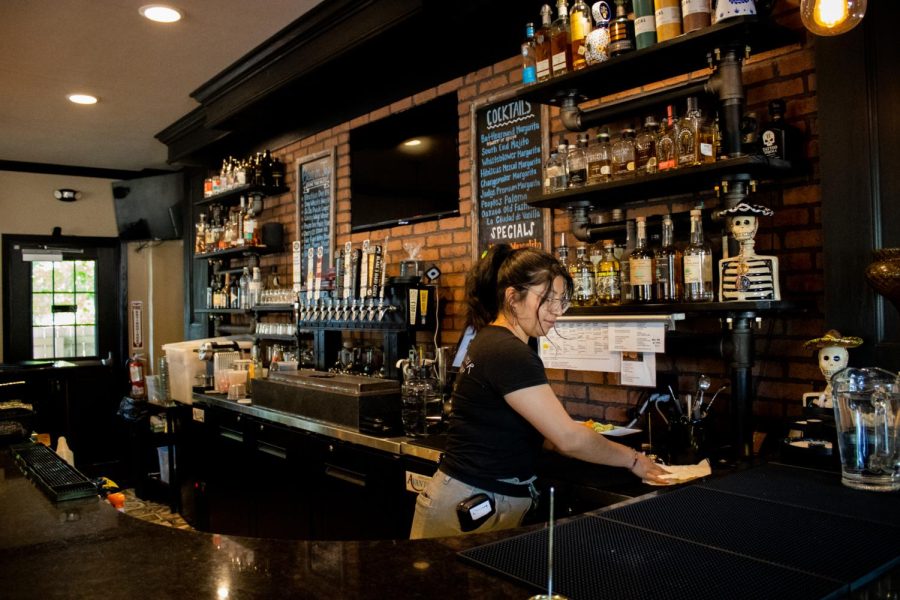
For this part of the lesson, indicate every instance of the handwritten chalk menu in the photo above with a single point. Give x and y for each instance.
(315, 203)
(508, 154)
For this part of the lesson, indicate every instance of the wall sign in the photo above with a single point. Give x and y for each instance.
(508, 153)
(315, 204)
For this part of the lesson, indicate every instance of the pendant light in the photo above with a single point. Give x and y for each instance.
(831, 17)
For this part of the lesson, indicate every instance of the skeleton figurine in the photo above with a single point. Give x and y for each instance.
(832, 358)
(747, 276)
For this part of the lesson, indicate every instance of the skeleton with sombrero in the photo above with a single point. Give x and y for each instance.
(833, 357)
(747, 276)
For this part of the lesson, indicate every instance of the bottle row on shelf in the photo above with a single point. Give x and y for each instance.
(672, 143)
(581, 36)
(227, 291)
(222, 228)
(259, 170)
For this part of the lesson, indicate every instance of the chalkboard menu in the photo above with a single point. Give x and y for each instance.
(509, 167)
(315, 203)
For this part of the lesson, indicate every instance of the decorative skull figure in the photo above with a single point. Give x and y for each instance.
(744, 227)
(833, 356)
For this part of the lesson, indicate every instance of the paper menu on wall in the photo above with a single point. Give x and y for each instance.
(637, 337)
(638, 369)
(579, 345)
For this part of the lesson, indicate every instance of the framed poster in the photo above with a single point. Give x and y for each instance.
(315, 204)
(508, 149)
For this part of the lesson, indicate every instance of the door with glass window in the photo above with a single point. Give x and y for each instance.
(61, 299)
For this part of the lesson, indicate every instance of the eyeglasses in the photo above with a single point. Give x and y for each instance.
(557, 305)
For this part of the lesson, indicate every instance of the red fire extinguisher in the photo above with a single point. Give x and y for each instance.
(136, 377)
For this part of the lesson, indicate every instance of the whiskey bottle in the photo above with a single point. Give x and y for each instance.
(625, 264)
(698, 275)
(621, 35)
(645, 161)
(542, 44)
(667, 262)
(577, 162)
(640, 265)
(623, 155)
(579, 28)
(599, 159)
(668, 19)
(560, 50)
(200, 235)
(582, 272)
(665, 143)
(644, 23)
(777, 139)
(529, 61)
(695, 14)
(608, 273)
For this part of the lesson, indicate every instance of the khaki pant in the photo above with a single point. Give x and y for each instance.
(436, 509)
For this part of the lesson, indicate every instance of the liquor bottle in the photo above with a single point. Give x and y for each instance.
(582, 272)
(695, 144)
(542, 44)
(529, 60)
(667, 262)
(623, 155)
(777, 139)
(244, 287)
(644, 23)
(552, 172)
(625, 264)
(200, 235)
(560, 181)
(665, 143)
(251, 234)
(698, 275)
(695, 15)
(278, 170)
(645, 161)
(597, 41)
(255, 287)
(608, 273)
(210, 292)
(234, 293)
(576, 162)
(560, 50)
(562, 252)
(599, 159)
(579, 28)
(621, 36)
(668, 19)
(640, 265)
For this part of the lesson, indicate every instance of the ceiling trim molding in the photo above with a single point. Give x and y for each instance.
(74, 171)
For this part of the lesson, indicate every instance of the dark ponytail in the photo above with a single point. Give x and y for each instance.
(504, 267)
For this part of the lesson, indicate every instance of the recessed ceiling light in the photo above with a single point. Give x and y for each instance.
(82, 99)
(412, 142)
(160, 13)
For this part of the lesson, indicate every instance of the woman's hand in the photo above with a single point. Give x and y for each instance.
(645, 468)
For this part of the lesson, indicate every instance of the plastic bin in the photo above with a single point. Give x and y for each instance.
(185, 364)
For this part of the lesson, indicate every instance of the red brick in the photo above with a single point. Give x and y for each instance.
(450, 86)
(510, 64)
(401, 105)
(583, 410)
(808, 238)
(427, 95)
(802, 195)
(495, 83)
(479, 75)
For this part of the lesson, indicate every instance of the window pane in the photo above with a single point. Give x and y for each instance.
(41, 276)
(40, 309)
(84, 276)
(86, 337)
(64, 276)
(64, 345)
(63, 300)
(87, 309)
(42, 340)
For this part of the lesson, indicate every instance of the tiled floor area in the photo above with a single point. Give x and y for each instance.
(152, 512)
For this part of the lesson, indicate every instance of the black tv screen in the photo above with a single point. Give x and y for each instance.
(149, 208)
(404, 168)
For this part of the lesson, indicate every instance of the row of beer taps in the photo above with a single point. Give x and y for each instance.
(347, 310)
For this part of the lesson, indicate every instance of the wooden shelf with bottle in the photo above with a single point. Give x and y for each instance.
(272, 308)
(672, 182)
(233, 195)
(663, 60)
(239, 251)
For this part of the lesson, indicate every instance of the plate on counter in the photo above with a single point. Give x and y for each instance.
(608, 429)
(620, 431)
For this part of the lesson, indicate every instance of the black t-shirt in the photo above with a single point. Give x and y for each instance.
(486, 438)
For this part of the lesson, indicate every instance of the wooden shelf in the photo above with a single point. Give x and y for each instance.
(233, 195)
(238, 251)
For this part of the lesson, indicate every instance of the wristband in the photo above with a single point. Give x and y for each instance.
(635, 462)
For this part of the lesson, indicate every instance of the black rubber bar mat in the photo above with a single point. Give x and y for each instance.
(811, 489)
(598, 558)
(824, 544)
(54, 476)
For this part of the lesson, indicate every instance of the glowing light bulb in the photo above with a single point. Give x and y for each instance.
(831, 17)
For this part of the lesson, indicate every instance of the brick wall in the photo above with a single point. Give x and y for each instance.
(783, 370)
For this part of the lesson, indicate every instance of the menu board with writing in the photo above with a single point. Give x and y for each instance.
(509, 166)
(315, 203)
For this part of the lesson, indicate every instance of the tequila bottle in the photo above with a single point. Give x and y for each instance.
(695, 144)
(529, 60)
(698, 275)
(623, 155)
(641, 266)
(599, 159)
(579, 28)
(667, 263)
(582, 272)
(560, 50)
(665, 143)
(777, 139)
(645, 148)
(577, 162)
(608, 273)
(542, 44)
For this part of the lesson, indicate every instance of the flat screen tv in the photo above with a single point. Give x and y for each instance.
(149, 208)
(404, 168)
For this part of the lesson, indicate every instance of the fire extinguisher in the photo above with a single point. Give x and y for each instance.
(136, 377)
